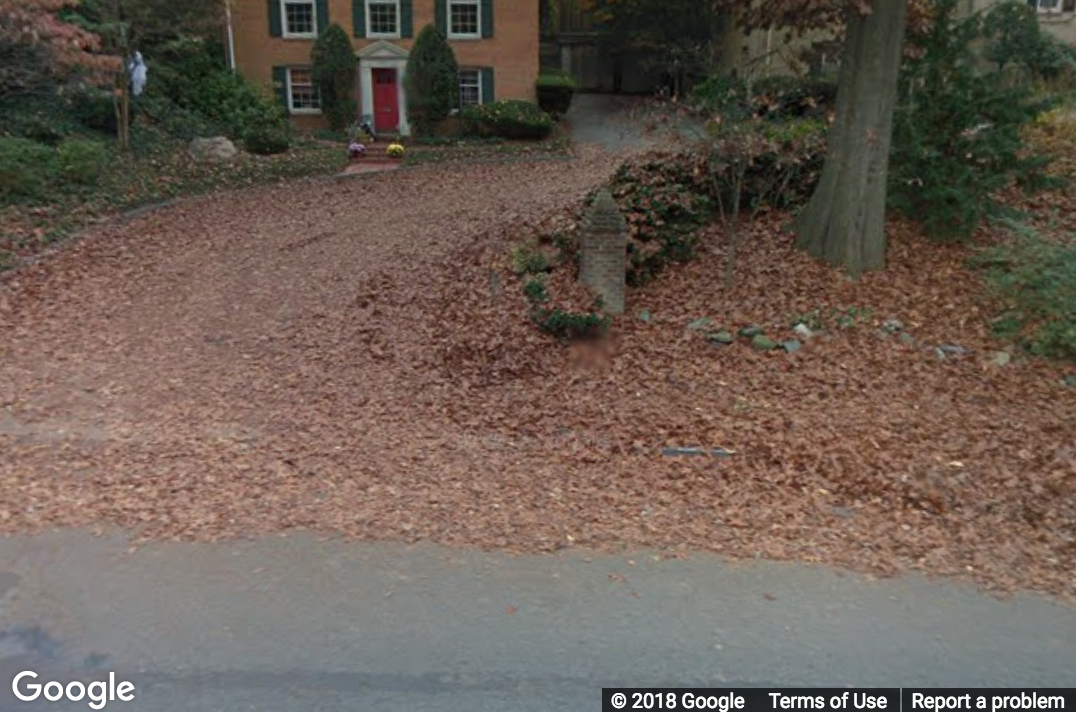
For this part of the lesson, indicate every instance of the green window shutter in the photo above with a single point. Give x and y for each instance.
(488, 94)
(440, 16)
(407, 19)
(276, 29)
(487, 18)
(323, 15)
(358, 17)
(280, 86)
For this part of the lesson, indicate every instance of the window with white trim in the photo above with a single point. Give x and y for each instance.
(383, 18)
(464, 19)
(300, 18)
(302, 94)
(470, 87)
(1048, 5)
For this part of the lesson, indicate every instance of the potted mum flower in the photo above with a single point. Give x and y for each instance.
(395, 149)
(356, 150)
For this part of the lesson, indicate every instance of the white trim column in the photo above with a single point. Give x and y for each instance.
(382, 55)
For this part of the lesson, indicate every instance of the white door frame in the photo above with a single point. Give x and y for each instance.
(382, 55)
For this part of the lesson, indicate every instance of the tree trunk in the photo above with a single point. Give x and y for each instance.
(845, 221)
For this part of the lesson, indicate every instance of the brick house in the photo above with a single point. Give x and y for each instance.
(496, 44)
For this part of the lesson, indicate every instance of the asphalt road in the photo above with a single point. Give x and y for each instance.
(296, 624)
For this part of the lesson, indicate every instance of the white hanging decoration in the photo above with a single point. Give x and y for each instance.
(138, 70)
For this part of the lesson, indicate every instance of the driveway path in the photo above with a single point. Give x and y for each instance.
(617, 122)
(276, 334)
(320, 356)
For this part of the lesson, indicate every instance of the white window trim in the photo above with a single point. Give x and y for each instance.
(382, 35)
(448, 20)
(291, 102)
(478, 73)
(1050, 10)
(284, 20)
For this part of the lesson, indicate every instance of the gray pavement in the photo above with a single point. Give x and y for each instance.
(299, 623)
(617, 122)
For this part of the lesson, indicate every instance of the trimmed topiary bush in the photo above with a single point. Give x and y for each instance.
(513, 119)
(334, 69)
(555, 92)
(432, 80)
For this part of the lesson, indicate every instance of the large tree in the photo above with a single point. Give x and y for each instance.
(142, 25)
(129, 26)
(38, 49)
(845, 221)
(678, 38)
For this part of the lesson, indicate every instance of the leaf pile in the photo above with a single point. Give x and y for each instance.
(351, 359)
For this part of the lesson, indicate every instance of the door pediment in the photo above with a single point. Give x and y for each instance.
(382, 50)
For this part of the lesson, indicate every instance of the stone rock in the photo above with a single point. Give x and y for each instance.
(952, 349)
(907, 339)
(1069, 381)
(695, 452)
(213, 150)
(791, 346)
(763, 343)
(644, 316)
(721, 338)
(1001, 358)
(700, 324)
(893, 326)
(750, 332)
(843, 512)
(804, 332)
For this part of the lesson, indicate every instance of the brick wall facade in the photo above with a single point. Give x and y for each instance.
(512, 51)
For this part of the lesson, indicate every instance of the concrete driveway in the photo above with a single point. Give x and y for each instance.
(618, 122)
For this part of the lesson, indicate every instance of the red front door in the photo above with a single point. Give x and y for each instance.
(386, 101)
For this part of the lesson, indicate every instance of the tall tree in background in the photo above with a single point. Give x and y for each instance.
(128, 26)
(845, 220)
(38, 49)
(679, 38)
(844, 223)
(151, 23)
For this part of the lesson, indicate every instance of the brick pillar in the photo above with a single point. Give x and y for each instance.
(604, 241)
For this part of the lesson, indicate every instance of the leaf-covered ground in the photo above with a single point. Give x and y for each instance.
(154, 173)
(349, 357)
